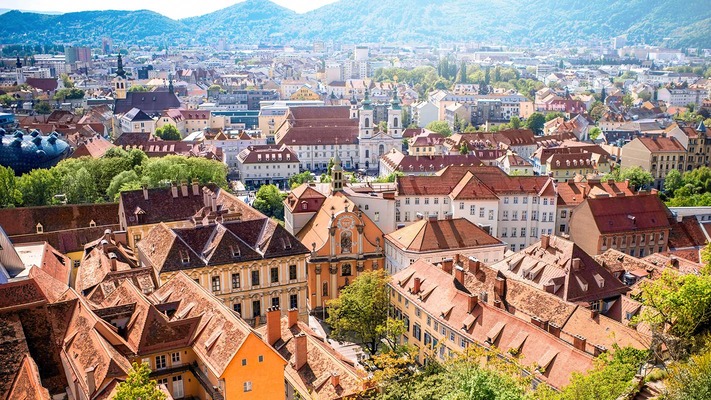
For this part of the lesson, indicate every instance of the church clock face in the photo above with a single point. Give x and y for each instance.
(346, 223)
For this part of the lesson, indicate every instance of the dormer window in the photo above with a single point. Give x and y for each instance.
(92, 224)
(40, 228)
(234, 250)
(184, 257)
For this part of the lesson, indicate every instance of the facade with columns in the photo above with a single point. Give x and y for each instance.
(343, 241)
(373, 142)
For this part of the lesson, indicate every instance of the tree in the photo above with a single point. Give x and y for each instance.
(9, 195)
(269, 201)
(361, 310)
(535, 122)
(138, 88)
(383, 126)
(68, 94)
(463, 72)
(464, 148)
(638, 177)
(553, 115)
(515, 122)
(42, 107)
(440, 127)
(389, 178)
(597, 110)
(138, 385)
(457, 123)
(627, 100)
(672, 181)
(67, 81)
(38, 187)
(119, 181)
(168, 132)
(79, 187)
(691, 380)
(6, 100)
(300, 178)
(594, 133)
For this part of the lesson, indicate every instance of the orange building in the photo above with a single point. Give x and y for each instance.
(343, 241)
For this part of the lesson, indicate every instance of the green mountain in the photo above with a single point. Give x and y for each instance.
(674, 23)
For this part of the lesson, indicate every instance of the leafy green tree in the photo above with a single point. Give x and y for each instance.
(691, 379)
(6, 100)
(638, 177)
(163, 170)
(553, 115)
(168, 132)
(69, 94)
(515, 122)
(38, 187)
(119, 181)
(672, 181)
(594, 133)
(138, 385)
(10, 196)
(79, 187)
(597, 110)
(464, 148)
(627, 100)
(270, 202)
(42, 107)
(463, 72)
(138, 88)
(361, 310)
(535, 122)
(298, 179)
(440, 127)
(67, 81)
(383, 126)
(389, 178)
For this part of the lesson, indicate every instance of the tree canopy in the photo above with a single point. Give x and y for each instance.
(692, 190)
(440, 127)
(638, 177)
(361, 310)
(270, 202)
(298, 179)
(138, 385)
(535, 122)
(168, 132)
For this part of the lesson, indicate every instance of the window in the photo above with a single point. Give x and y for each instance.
(417, 332)
(563, 213)
(324, 291)
(427, 200)
(523, 232)
(256, 308)
(346, 270)
(417, 200)
(261, 358)
(418, 313)
(163, 381)
(524, 215)
(235, 281)
(504, 232)
(481, 212)
(506, 200)
(525, 200)
(515, 200)
(472, 210)
(293, 301)
(545, 201)
(136, 238)
(215, 283)
(274, 274)
(160, 362)
(445, 200)
(255, 277)
(505, 215)
(436, 200)
(248, 386)
(513, 232)
(376, 217)
(491, 215)
(451, 336)
(237, 307)
(461, 205)
(397, 203)
(175, 358)
(514, 215)
(275, 302)
(292, 272)
(407, 201)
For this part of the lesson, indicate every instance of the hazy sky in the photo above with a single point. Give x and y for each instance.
(171, 8)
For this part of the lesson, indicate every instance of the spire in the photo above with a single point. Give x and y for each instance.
(119, 67)
(18, 64)
(395, 103)
(337, 174)
(354, 101)
(171, 89)
(701, 127)
(366, 101)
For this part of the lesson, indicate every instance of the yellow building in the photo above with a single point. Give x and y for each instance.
(305, 93)
(249, 265)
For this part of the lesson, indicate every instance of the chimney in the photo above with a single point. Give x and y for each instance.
(416, 285)
(473, 301)
(459, 274)
(196, 187)
(474, 265)
(90, 381)
(594, 313)
(293, 315)
(579, 342)
(575, 264)
(500, 286)
(113, 262)
(545, 241)
(273, 325)
(300, 351)
(554, 329)
(145, 192)
(536, 321)
(213, 202)
(432, 218)
(335, 379)
(174, 190)
(498, 304)
(447, 265)
(184, 188)
(549, 287)
(598, 349)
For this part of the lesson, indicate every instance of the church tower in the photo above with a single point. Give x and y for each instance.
(119, 82)
(19, 75)
(395, 116)
(354, 107)
(336, 175)
(366, 126)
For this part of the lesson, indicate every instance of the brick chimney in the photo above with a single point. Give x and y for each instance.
(459, 274)
(598, 349)
(447, 265)
(554, 329)
(500, 286)
(213, 202)
(473, 301)
(173, 190)
(273, 325)
(474, 265)
(184, 188)
(335, 378)
(545, 241)
(196, 187)
(416, 285)
(575, 265)
(90, 380)
(293, 316)
(579, 342)
(145, 192)
(300, 351)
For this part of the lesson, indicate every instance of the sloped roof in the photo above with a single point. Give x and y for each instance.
(628, 213)
(148, 102)
(572, 193)
(448, 234)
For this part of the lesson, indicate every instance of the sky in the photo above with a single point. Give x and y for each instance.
(171, 8)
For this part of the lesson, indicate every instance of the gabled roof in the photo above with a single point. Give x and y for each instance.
(149, 102)
(572, 193)
(135, 114)
(438, 235)
(628, 213)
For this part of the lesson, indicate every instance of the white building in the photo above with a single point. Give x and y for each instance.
(373, 144)
(423, 113)
(267, 164)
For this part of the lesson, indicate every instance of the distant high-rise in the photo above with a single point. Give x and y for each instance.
(619, 42)
(106, 45)
(361, 53)
(73, 55)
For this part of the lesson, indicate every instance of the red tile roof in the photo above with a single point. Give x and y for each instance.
(268, 153)
(628, 213)
(661, 144)
(43, 84)
(572, 193)
(448, 234)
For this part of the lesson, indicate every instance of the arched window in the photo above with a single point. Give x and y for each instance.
(381, 149)
(325, 289)
(367, 153)
(346, 242)
(395, 123)
(346, 270)
(367, 122)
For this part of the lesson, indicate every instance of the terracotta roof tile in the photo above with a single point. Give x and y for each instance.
(449, 234)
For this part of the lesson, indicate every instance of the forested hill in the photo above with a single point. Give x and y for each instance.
(673, 23)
